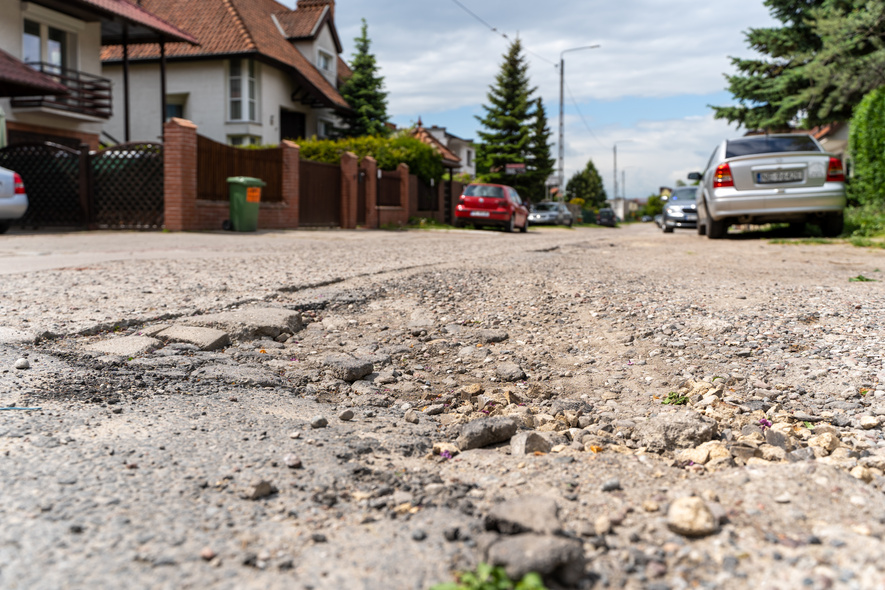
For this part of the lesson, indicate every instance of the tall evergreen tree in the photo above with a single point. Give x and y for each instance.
(815, 67)
(587, 185)
(515, 130)
(364, 92)
(540, 162)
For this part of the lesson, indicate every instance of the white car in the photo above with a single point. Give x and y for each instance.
(13, 199)
(770, 179)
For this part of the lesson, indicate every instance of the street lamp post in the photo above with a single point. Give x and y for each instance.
(561, 118)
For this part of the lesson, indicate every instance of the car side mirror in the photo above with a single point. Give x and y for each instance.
(695, 176)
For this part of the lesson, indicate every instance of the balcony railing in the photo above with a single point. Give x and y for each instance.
(87, 94)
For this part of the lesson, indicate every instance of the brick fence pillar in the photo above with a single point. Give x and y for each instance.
(180, 175)
(370, 169)
(349, 189)
(291, 183)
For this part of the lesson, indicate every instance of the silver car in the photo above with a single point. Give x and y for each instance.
(13, 200)
(785, 178)
(549, 213)
(680, 210)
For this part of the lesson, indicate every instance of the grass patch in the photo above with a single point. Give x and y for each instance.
(674, 399)
(487, 577)
(861, 279)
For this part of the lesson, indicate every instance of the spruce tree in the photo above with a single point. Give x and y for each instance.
(540, 163)
(814, 69)
(515, 130)
(364, 92)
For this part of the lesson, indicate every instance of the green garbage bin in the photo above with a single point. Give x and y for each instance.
(245, 200)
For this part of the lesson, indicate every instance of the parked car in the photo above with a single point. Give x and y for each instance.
(606, 217)
(491, 205)
(771, 179)
(645, 218)
(13, 199)
(550, 213)
(680, 209)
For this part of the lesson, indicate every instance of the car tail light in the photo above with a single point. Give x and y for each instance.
(723, 178)
(834, 171)
(19, 184)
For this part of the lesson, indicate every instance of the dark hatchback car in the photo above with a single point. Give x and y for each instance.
(606, 217)
(681, 209)
(492, 205)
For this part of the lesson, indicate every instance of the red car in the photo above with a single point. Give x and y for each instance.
(492, 204)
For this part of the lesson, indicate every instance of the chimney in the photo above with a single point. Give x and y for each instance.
(307, 3)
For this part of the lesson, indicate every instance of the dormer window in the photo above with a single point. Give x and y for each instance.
(324, 61)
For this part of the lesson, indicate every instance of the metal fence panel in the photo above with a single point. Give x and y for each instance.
(51, 174)
(127, 186)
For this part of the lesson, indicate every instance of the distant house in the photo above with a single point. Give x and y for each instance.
(64, 98)
(464, 149)
(450, 159)
(262, 72)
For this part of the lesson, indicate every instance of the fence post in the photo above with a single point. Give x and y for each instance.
(291, 182)
(370, 167)
(403, 170)
(349, 189)
(180, 175)
(87, 195)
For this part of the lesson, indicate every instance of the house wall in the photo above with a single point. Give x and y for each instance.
(310, 50)
(85, 58)
(204, 84)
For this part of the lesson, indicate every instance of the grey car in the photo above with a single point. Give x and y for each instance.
(680, 210)
(13, 199)
(782, 178)
(550, 213)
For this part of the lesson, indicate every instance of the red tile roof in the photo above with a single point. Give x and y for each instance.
(17, 79)
(450, 160)
(231, 27)
(133, 13)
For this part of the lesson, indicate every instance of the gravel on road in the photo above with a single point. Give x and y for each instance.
(612, 408)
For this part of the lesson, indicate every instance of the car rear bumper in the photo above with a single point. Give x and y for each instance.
(13, 207)
(681, 223)
(773, 203)
(482, 216)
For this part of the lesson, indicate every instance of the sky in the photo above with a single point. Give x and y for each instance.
(645, 89)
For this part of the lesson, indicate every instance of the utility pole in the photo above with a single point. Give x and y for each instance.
(561, 116)
(615, 153)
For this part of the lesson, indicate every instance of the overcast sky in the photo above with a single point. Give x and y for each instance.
(646, 88)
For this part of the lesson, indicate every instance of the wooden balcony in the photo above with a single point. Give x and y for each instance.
(87, 94)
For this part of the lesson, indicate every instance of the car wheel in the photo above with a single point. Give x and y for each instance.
(702, 229)
(4, 227)
(511, 224)
(525, 227)
(668, 229)
(832, 225)
(716, 230)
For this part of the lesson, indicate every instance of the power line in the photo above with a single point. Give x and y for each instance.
(497, 32)
(590, 131)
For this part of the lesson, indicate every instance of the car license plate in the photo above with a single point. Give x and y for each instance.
(479, 214)
(779, 176)
(691, 217)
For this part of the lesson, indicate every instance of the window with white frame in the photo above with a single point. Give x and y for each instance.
(325, 128)
(243, 90)
(325, 61)
(243, 140)
(50, 38)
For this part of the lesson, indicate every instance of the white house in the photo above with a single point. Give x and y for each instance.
(61, 43)
(463, 148)
(262, 72)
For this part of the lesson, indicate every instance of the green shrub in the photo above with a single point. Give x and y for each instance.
(867, 221)
(867, 148)
(423, 161)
